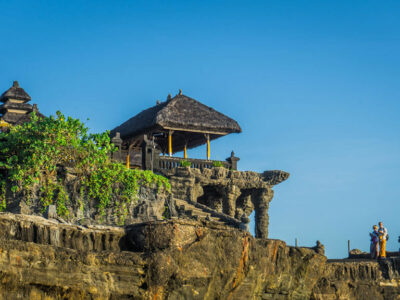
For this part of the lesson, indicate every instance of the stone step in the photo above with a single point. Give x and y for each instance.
(183, 205)
(196, 213)
(193, 211)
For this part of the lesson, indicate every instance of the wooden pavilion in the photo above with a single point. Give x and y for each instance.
(178, 124)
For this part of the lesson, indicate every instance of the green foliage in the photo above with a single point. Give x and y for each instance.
(166, 212)
(218, 164)
(115, 179)
(3, 203)
(37, 153)
(185, 163)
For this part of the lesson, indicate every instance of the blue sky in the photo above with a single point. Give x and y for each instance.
(313, 84)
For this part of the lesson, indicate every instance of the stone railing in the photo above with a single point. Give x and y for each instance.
(166, 162)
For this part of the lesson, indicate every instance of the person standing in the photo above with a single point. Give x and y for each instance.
(374, 242)
(382, 240)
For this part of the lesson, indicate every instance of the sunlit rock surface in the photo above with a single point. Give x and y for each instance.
(174, 259)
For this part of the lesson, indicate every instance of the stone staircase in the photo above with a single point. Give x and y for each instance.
(201, 212)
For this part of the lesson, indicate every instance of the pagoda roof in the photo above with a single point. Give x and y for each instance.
(15, 92)
(19, 119)
(19, 106)
(27, 117)
(180, 113)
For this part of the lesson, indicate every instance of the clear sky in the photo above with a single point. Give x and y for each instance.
(313, 84)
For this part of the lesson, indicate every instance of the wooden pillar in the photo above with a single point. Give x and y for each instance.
(128, 156)
(185, 152)
(170, 142)
(208, 146)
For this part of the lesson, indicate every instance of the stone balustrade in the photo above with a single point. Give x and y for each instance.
(167, 162)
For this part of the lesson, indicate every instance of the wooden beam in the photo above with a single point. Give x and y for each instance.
(196, 130)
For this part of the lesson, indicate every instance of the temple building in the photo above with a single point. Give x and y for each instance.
(15, 108)
(178, 124)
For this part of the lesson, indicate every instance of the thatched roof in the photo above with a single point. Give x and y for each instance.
(15, 92)
(18, 106)
(18, 119)
(182, 114)
(14, 118)
(27, 117)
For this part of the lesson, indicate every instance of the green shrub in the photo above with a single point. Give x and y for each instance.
(218, 164)
(35, 154)
(185, 163)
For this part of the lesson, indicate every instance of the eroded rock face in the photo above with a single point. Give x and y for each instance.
(359, 279)
(234, 193)
(149, 205)
(175, 259)
(180, 259)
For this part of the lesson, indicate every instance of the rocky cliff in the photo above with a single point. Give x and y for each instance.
(226, 195)
(235, 194)
(359, 279)
(150, 204)
(173, 259)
